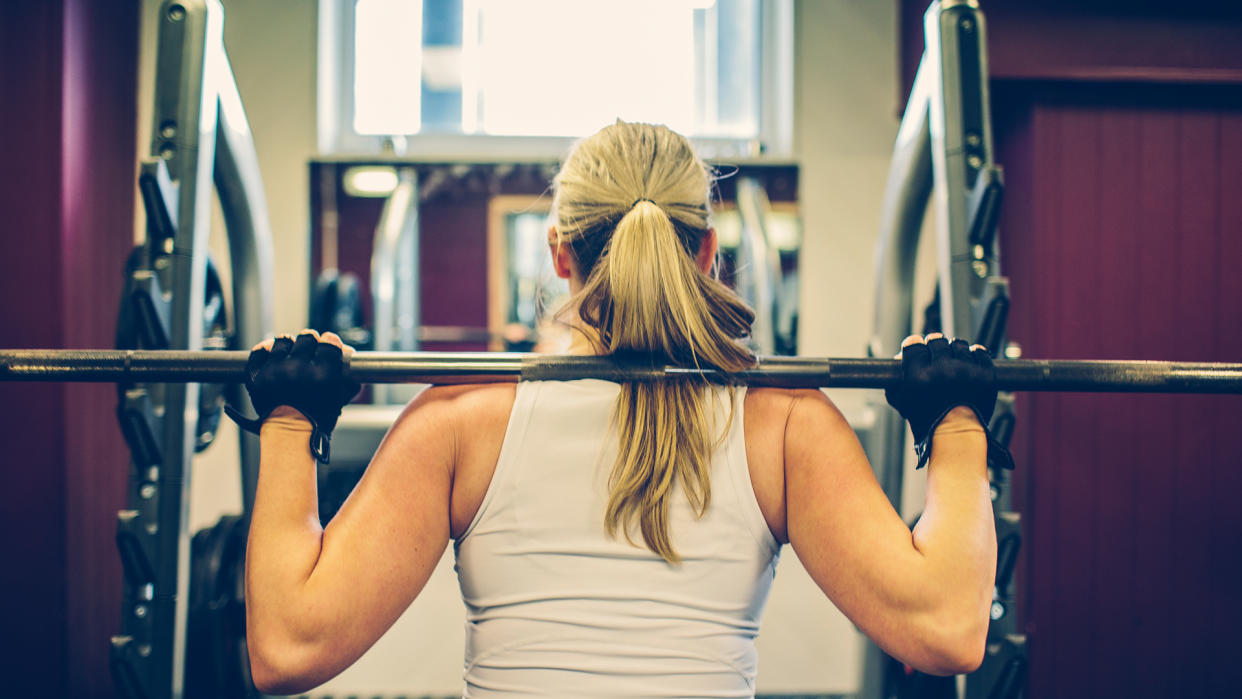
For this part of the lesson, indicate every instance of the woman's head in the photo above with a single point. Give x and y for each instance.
(632, 212)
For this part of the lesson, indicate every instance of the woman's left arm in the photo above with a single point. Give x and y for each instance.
(317, 598)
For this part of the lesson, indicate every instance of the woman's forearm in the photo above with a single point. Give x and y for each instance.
(285, 537)
(956, 533)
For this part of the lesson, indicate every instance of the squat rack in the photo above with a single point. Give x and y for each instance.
(943, 154)
(199, 136)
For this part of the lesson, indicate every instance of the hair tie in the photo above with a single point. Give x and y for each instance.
(635, 203)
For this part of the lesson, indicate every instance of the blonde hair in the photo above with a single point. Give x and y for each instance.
(632, 203)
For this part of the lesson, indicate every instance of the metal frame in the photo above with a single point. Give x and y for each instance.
(395, 277)
(239, 187)
(943, 146)
(758, 273)
(943, 153)
(199, 135)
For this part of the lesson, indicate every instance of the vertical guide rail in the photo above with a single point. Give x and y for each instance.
(943, 149)
(149, 655)
(395, 279)
(188, 99)
(759, 265)
(961, 148)
(242, 202)
(901, 218)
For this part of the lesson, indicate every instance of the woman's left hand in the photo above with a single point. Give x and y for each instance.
(308, 374)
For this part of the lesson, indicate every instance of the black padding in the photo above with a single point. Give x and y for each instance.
(323, 301)
(217, 662)
(336, 306)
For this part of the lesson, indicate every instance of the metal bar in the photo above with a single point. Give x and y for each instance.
(394, 277)
(961, 145)
(759, 263)
(239, 187)
(150, 650)
(172, 366)
(906, 193)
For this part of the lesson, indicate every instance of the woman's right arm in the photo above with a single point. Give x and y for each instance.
(922, 596)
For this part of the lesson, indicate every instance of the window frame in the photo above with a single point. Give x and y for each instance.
(335, 103)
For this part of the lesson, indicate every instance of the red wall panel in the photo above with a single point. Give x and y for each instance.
(1121, 238)
(67, 131)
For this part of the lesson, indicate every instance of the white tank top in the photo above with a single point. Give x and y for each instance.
(557, 608)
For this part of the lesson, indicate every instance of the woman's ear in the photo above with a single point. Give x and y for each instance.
(560, 254)
(707, 252)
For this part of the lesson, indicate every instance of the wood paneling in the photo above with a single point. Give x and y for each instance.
(67, 125)
(97, 195)
(1143, 41)
(1121, 240)
(1119, 125)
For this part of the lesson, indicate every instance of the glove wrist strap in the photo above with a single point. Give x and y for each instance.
(320, 439)
(998, 455)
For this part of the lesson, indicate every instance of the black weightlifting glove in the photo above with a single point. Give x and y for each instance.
(937, 377)
(307, 375)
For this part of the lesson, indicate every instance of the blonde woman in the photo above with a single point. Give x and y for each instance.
(618, 540)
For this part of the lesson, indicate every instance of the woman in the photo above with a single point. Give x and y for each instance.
(618, 540)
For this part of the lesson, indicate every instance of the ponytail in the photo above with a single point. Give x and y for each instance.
(645, 294)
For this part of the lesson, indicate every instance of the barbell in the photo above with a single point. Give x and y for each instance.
(181, 366)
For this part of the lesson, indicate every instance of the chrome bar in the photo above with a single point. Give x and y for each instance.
(239, 188)
(173, 366)
(394, 276)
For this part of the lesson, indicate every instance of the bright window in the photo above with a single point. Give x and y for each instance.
(387, 61)
(551, 68)
(548, 68)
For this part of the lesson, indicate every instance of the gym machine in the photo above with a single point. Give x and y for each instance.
(394, 279)
(174, 301)
(944, 153)
(758, 270)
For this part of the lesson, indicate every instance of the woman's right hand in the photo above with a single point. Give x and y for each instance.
(939, 375)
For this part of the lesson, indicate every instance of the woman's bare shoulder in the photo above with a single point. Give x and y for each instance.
(767, 417)
(449, 412)
(769, 403)
(479, 399)
(782, 423)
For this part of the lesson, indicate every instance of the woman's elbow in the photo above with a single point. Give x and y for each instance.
(954, 647)
(960, 659)
(281, 668)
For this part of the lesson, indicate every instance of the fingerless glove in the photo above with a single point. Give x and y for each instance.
(937, 377)
(306, 375)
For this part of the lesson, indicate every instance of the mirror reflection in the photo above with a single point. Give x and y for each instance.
(387, 236)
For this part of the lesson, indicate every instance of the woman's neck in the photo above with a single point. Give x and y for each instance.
(582, 340)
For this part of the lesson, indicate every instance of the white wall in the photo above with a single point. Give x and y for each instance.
(846, 102)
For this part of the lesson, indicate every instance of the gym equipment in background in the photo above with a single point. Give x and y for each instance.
(943, 153)
(395, 293)
(174, 300)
